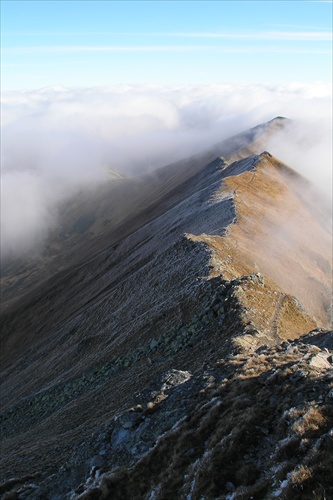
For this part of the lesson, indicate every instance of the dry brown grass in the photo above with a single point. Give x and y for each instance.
(311, 421)
(276, 234)
(247, 435)
(300, 475)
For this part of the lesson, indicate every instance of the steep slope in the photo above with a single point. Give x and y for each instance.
(259, 428)
(277, 233)
(98, 218)
(211, 269)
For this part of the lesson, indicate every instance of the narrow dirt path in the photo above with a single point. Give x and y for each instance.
(277, 314)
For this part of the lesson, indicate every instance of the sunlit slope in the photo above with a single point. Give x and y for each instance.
(281, 232)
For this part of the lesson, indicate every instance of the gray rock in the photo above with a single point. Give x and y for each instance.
(320, 361)
(173, 378)
(230, 486)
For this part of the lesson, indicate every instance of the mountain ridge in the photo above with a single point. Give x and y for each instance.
(202, 289)
(165, 179)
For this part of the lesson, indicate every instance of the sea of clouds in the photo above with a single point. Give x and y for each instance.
(57, 140)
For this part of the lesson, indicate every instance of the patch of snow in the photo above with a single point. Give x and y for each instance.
(189, 496)
(194, 468)
(230, 496)
(278, 467)
(154, 492)
(215, 400)
(284, 441)
(277, 493)
(169, 431)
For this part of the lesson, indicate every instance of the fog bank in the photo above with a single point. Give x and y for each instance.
(57, 140)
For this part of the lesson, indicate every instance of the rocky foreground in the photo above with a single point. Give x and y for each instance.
(189, 356)
(245, 426)
(257, 426)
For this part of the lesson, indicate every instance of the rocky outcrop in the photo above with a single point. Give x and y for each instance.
(246, 425)
(261, 427)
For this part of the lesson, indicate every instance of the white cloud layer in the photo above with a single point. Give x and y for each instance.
(56, 140)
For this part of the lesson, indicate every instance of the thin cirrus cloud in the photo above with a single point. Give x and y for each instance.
(218, 46)
(320, 36)
(162, 48)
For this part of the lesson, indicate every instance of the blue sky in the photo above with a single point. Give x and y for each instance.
(84, 43)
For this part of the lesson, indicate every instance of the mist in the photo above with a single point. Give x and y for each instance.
(56, 141)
